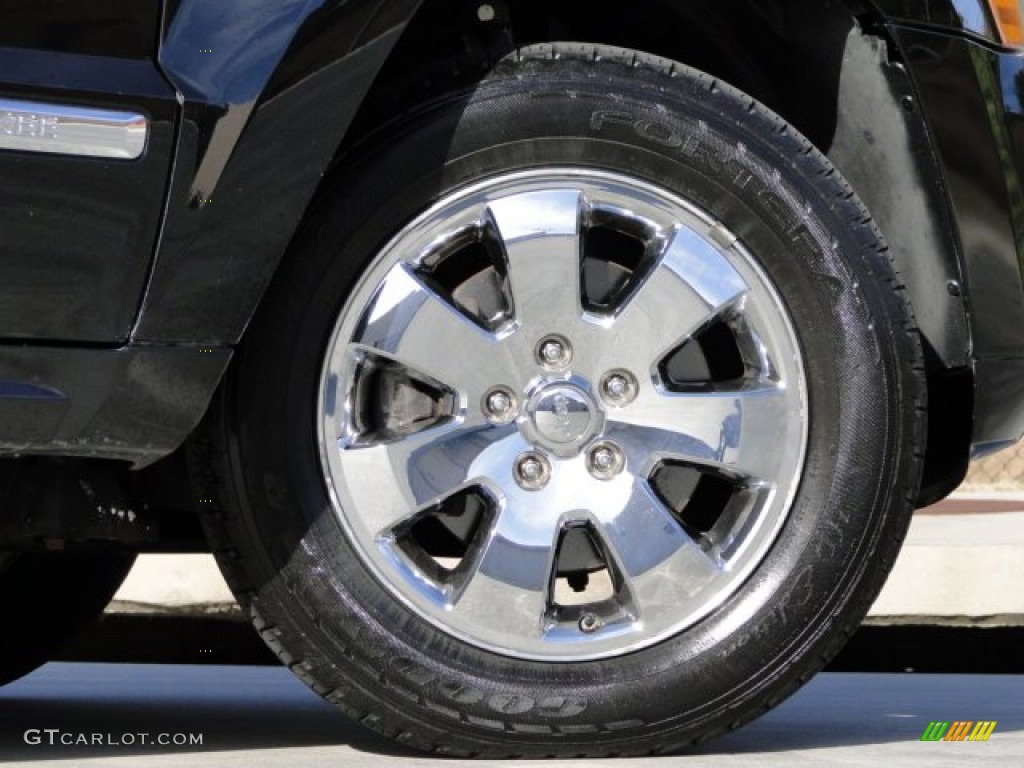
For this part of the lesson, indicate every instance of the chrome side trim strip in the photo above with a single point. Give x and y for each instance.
(30, 126)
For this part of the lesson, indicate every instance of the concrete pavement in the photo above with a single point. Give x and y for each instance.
(958, 568)
(262, 716)
(961, 564)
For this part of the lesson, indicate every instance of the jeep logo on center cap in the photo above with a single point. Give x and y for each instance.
(561, 414)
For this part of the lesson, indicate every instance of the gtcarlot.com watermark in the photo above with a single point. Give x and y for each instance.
(55, 737)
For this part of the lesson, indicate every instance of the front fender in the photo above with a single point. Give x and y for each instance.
(268, 89)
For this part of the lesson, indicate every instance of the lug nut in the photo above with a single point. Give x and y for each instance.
(499, 402)
(618, 387)
(554, 352)
(589, 623)
(605, 461)
(532, 471)
(500, 406)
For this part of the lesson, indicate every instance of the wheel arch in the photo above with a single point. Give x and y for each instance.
(829, 71)
(288, 599)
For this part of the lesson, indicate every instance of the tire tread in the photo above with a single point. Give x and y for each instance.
(210, 467)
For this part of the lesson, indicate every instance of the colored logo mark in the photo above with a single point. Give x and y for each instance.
(958, 730)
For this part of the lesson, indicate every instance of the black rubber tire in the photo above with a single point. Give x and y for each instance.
(47, 599)
(257, 470)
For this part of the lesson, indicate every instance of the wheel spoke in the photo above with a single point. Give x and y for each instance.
(739, 430)
(509, 584)
(392, 481)
(409, 322)
(659, 564)
(689, 284)
(537, 454)
(540, 232)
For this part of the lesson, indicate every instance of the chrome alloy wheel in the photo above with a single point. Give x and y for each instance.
(562, 415)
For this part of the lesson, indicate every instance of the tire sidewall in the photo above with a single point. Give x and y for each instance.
(827, 273)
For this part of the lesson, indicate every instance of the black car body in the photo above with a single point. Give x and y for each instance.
(128, 281)
(127, 284)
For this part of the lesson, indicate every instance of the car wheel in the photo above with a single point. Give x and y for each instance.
(584, 417)
(46, 599)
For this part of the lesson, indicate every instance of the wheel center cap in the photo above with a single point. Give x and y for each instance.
(562, 413)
